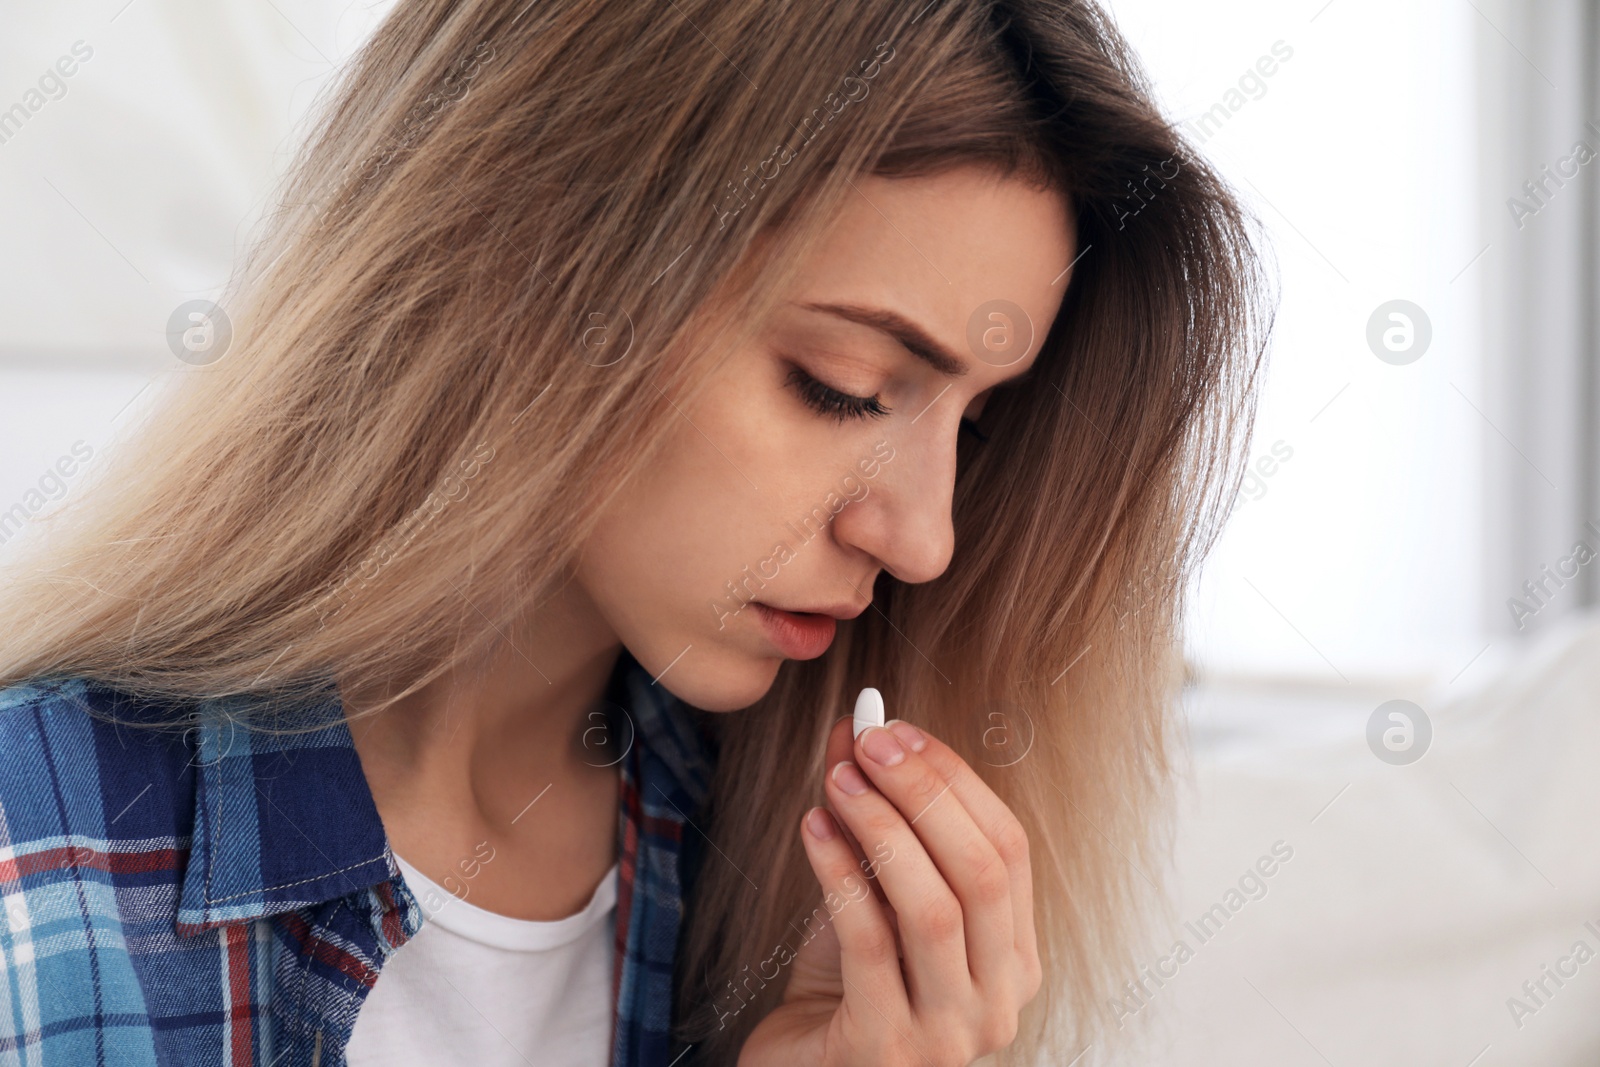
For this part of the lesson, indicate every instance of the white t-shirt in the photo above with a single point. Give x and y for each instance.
(485, 989)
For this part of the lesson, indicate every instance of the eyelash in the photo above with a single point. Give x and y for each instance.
(832, 403)
(845, 406)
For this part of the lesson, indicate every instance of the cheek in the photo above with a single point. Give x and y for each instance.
(669, 542)
(658, 564)
(740, 472)
(659, 535)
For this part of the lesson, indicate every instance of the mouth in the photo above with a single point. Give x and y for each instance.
(797, 634)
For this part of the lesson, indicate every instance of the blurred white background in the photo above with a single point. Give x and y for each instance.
(1397, 510)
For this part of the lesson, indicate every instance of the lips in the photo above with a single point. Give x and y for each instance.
(797, 634)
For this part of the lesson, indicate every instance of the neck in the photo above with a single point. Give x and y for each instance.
(480, 742)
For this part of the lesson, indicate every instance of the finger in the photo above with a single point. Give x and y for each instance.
(998, 824)
(964, 856)
(932, 927)
(841, 747)
(868, 960)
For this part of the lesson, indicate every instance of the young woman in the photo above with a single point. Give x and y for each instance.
(453, 669)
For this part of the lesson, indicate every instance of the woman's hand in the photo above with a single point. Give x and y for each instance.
(933, 968)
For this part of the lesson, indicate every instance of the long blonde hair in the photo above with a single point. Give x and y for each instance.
(521, 236)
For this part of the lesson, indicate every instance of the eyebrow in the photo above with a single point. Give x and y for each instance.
(912, 337)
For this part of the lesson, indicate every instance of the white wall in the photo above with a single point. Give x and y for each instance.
(130, 185)
(1360, 559)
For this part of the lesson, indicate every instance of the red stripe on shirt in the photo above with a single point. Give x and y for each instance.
(240, 1021)
(308, 944)
(82, 856)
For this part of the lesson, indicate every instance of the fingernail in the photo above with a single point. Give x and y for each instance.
(847, 777)
(820, 824)
(914, 738)
(882, 746)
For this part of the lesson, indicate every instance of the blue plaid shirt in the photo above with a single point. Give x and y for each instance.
(225, 896)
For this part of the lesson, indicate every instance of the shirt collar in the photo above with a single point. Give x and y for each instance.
(658, 722)
(285, 819)
(282, 819)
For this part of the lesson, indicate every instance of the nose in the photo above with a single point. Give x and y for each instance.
(904, 520)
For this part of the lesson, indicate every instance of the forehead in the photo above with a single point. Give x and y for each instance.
(946, 251)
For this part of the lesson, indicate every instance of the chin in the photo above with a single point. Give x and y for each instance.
(724, 680)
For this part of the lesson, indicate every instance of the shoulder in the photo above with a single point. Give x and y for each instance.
(77, 758)
(19, 699)
(82, 697)
(96, 809)
(75, 712)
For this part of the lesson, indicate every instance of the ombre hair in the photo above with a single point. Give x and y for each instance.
(522, 235)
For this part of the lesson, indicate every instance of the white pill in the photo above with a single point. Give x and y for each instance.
(869, 710)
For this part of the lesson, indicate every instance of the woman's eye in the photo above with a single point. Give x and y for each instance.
(831, 402)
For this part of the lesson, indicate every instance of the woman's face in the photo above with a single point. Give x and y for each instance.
(826, 452)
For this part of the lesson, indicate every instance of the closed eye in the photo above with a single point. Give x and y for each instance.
(825, 400)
